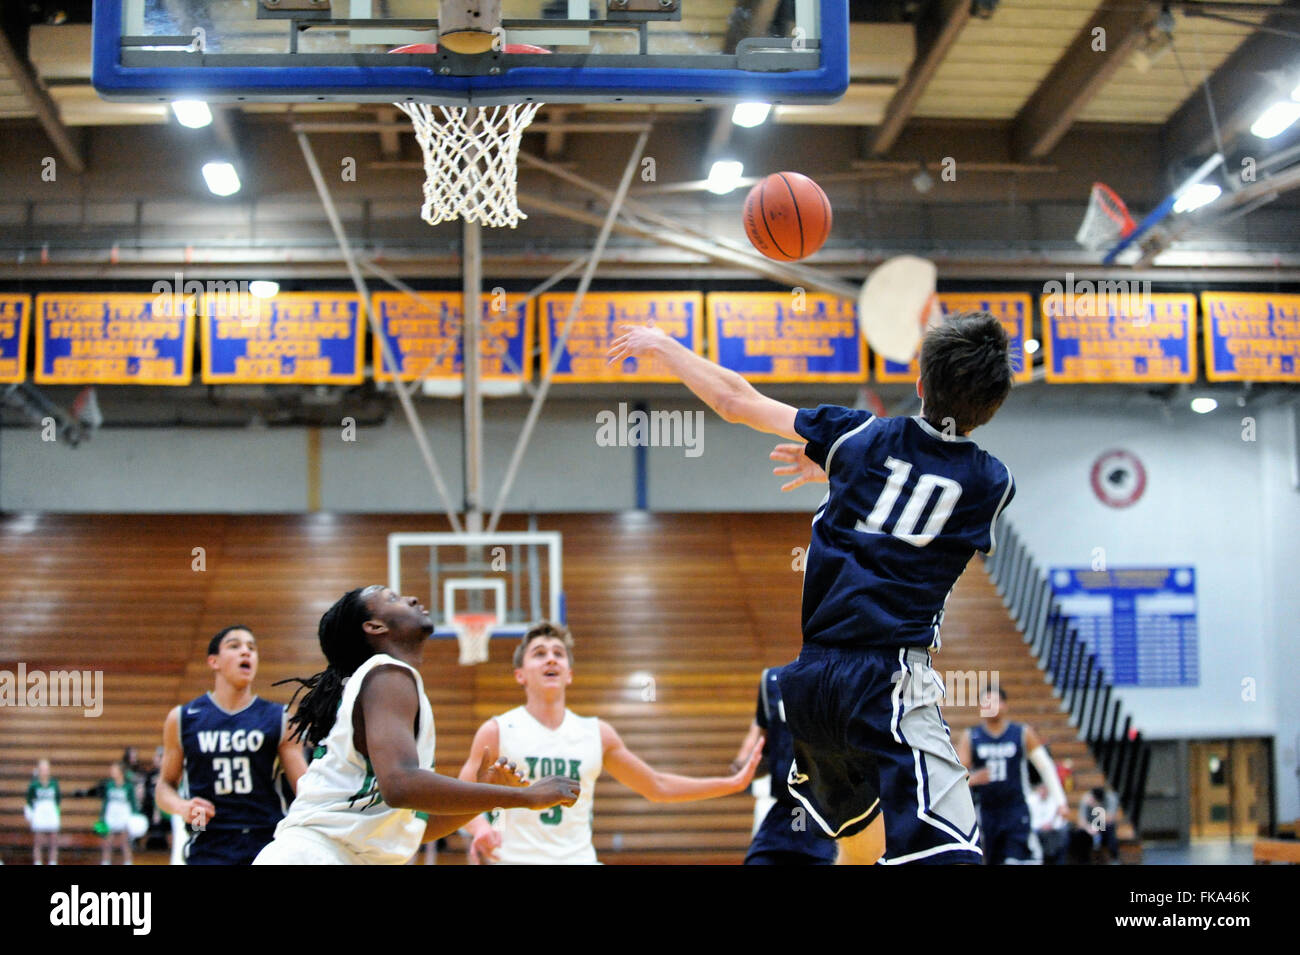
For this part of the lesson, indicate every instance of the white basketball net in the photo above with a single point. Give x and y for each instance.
(471, 156)
(473, 631)
(1106, 221)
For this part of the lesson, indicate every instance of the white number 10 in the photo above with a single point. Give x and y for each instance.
(905, 527)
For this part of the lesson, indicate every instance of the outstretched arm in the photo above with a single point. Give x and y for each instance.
(389, 708)
(495, 772)
(752, 738)
(731, 396)
(292, 760)
(981, 776)
(1042, 761)
(643, 779)
(484, 840)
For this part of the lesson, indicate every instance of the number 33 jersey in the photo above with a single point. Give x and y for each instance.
(908, 506)
(231, 760)
(560, 835)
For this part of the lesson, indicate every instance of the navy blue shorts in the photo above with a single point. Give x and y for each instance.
(869, 740)
(786, 837)
(226, 846)
(1008, 838)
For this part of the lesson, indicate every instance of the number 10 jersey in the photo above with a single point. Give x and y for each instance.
(908, 507)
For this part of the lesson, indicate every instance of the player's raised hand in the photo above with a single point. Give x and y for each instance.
(502, 772)
(745, 776)
(484, 847)
(805, 470)
(553, 791)
(635, 341)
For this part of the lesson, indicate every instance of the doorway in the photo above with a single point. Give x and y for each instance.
(1231, 788)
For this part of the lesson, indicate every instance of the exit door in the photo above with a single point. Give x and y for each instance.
(1230, 788)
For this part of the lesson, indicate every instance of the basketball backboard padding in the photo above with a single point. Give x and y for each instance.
(227, 51)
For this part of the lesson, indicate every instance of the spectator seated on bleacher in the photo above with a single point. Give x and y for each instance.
(1045, 819)
(1099, 816)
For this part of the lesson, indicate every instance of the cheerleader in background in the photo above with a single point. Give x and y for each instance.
(42, 812)
(115, 819)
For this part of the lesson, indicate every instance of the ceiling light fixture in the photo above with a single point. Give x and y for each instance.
(221, 177)
(750, 115)
(192, 113)
(724, 176)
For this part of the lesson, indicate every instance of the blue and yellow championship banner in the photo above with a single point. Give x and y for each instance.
(786, 336)
(1118, 336)
(1013, 309)
(597, 325)
(15, 316)
(112, 339)
(425, 335)
(1251, 336)
(299, 338)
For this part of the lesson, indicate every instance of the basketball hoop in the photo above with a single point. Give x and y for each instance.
(471, 154)
(1106, 221)
(473, 632)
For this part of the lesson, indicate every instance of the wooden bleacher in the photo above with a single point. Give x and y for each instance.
(1277, 850)
(702, 602)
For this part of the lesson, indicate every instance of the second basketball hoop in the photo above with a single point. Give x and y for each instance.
(474, 634)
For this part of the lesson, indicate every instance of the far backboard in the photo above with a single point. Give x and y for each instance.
(517, 576)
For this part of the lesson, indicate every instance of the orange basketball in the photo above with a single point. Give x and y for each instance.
(787, 216)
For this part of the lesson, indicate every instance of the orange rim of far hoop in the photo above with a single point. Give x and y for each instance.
(1113, 208)
(474, 622)
(433, 48)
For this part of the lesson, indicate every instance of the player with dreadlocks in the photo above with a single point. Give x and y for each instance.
(370, 794)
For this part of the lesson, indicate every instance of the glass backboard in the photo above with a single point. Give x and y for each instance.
(637, 51)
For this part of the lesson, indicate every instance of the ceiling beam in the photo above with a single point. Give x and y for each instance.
(936, 32)
(47, 113)
(1241, 87)
(555, 136)
(390, 146)
(1079, 75)
(414, 261)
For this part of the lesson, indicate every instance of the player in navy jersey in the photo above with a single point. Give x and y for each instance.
(911, 499)
(226, 748)
(785, 836)
(999, 753)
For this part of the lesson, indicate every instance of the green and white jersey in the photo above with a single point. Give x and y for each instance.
(43, 804)
(560, 835)
(39, 792)
(338, 797)
(119, 804)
